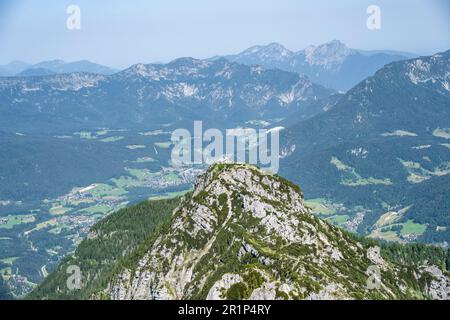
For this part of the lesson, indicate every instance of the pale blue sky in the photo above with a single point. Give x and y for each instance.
(120, 33)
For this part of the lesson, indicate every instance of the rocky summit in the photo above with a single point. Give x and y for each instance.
(246, 234)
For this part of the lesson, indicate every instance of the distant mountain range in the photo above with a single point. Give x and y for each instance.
(332, 64)
(22, 69)
(13, 68)
(144, 95)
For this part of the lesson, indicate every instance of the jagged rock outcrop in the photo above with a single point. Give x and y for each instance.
(246, 234)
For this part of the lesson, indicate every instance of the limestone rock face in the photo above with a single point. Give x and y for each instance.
(246, 234)
(438, 288)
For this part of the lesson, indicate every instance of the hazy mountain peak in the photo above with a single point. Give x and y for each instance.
(276, 47)
(49, 64)
(328, 54)
(139, 69)
(190, 62)
(331, 64)
(58, 66)
(17, 64)
(262, 54)
(35, 72)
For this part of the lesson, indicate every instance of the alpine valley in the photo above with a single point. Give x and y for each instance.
(241, 234)
(331, 64)
(86, 178)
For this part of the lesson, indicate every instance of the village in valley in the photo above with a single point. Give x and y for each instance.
(65, 221)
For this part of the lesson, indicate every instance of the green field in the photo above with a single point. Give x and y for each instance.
(43, 225)
(410, 227)
(172, 177)
(163, 145)
(105, 190)
(136, 178)
(442, 133)
(353, 178)
(320, 206)
(339, 219)
(418, 174)
(102, 132)
(103, 209)
(385, 235)
(57, 210)
(141, 174)
(9, 260)
(5, 272)
(98, 135)
(153, 133)
(125, 182)
(13, 220)
(365, 182)
(85, 135)
(56, 230)
(136, 146)
(144, 160)
(399, 133)
(112, 139)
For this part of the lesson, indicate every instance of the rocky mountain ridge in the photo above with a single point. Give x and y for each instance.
(246, 234)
